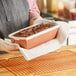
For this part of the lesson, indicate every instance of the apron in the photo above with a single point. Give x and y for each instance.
(14, 15)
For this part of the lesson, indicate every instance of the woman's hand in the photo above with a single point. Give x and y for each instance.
(35, 20)
(4, 46)
(32, 21)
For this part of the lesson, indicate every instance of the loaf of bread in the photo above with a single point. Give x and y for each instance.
(34, 35)
(33, 30)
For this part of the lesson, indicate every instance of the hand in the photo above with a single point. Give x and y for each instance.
(42, 20)
(34, 20)
(4, 46)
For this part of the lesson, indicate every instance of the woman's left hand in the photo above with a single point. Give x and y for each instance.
(4, 46)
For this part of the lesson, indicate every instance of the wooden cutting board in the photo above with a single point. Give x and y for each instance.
(5, 72)
(52, 64)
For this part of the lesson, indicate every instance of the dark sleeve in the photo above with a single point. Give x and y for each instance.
(2, 19)
(1, 35)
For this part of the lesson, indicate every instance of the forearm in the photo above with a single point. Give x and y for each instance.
(33, 9)
(34, 14)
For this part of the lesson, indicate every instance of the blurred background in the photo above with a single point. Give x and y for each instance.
(60, 10)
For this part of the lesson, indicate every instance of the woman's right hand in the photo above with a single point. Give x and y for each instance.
(4, 46)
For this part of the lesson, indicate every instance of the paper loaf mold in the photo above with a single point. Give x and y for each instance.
(35, 35)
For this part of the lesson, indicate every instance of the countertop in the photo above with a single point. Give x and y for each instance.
(62, 62)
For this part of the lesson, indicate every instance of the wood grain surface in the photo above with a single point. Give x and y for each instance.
(52, 64)
(5, 72)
